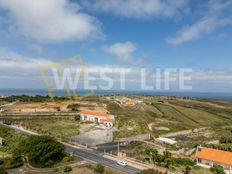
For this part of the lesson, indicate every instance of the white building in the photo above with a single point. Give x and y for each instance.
(97, 117)
(166, 140)
(207, 157)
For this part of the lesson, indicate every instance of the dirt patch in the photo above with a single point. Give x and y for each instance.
(94, 137)
(83, 170)
(37, 107)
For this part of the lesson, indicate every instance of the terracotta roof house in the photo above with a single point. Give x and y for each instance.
(97, 117)
(208, 157)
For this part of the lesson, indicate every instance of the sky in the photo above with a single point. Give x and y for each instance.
(130, 34)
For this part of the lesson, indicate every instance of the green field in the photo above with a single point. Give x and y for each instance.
(54, 127)
(176, 115)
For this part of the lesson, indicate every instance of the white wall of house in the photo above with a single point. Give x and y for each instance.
(209, 164)
(96, 119)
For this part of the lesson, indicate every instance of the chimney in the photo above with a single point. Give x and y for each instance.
(199, 148)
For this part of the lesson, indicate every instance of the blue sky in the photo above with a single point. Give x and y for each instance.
(124, 33)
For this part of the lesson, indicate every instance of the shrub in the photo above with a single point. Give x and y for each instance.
(12, 162)
(73, 107)
(42, 151)
(184, 162)
(3, 171)
(67, 169)
(187, 170)
(68, 158)
(217, 169)
(99, 168)
(225, 140)
(77, 118)
(151, 171)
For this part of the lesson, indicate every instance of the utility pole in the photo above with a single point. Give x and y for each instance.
(118, 147)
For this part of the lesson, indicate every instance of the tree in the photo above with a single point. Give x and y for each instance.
(77, 117)
(187, 170)
(151, 152)
(74, 107)
(217, 169)
(42, 151)
(99, 168)
(3, 171)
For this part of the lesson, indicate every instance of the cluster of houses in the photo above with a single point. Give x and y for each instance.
(205, 157)
(127, 101)
(208, 157)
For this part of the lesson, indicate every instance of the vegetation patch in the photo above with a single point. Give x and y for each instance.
(41, 151)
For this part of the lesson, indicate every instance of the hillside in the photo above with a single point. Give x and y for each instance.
(175, 114)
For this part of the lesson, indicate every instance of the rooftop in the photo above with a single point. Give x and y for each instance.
(166, 140)
(214, 155)
(108, 120)
(94, 113)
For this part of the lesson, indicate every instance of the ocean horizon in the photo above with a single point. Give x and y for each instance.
(44, 92)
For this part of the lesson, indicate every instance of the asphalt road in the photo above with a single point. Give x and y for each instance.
(89, 155)
(107, 147)
(95, 156)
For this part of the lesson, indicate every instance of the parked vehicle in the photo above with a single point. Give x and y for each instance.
(7, 123)
(122, 163)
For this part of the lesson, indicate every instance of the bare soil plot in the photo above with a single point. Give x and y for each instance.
(37, 107)
(94, 137)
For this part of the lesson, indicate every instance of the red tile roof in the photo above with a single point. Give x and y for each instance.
(108, 120)
(215, 155)
(93, 113)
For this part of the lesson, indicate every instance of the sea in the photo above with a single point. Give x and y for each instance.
(43, 92)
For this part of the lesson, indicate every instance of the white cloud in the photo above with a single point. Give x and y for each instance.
(16, 65)
(195, 31)
(212, 75)
(139, 8)
(20, 71)
(212, 19)
(49, 21)
(123, 52)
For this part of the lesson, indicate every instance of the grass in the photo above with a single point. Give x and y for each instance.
(89, 169)
(200, 170)
(129, 121)
(56, 128)
(203, 118)
(11, 139)
(134, 149)
(174, 114)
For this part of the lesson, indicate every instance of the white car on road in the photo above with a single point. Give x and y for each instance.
(122, 163)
